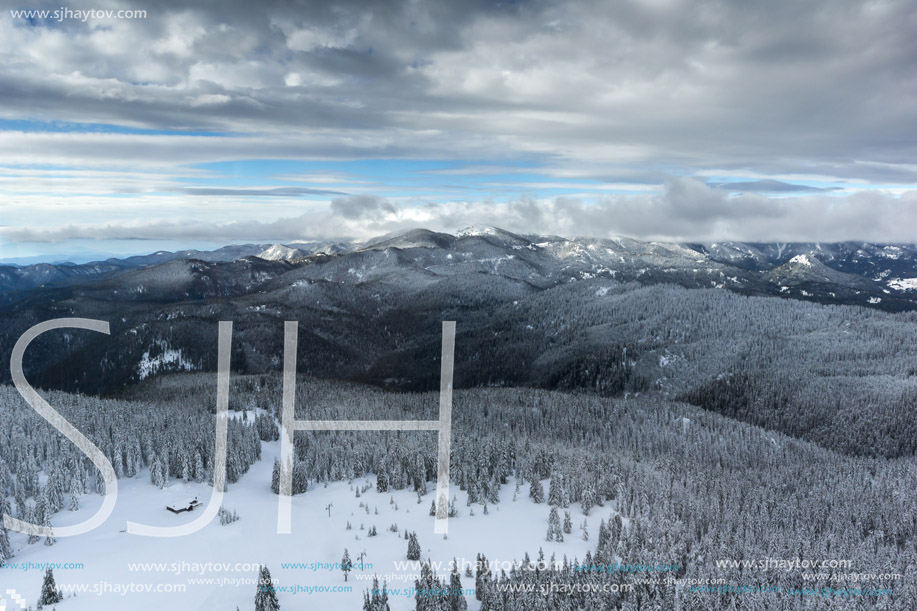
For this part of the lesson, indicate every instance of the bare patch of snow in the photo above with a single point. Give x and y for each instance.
(170, 359)
(903, 284)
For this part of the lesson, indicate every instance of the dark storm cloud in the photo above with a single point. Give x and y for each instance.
(700, 83)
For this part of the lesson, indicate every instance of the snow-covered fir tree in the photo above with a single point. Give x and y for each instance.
(346, 564)
(50, 595)
(413, 547)
(266, 596)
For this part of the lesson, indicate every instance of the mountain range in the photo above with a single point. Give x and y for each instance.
(877, 275)
(606, 315)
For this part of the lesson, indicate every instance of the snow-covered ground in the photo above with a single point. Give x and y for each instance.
(903, 284)
(215, 567)
(169, 358)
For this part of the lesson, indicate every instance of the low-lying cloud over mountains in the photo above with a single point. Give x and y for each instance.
(685, 210)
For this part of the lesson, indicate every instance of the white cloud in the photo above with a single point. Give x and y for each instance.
(684, 210)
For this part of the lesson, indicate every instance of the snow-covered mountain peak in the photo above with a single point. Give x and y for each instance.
(279, 252)
(494, 234)
(478, 230)
(803, 260)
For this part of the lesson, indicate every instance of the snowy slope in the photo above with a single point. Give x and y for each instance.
(279, 252)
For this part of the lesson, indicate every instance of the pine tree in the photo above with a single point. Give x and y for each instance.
(413, 547)
(49, 538)
(376, 599)
(275, 477)
(555, 531)
(6, 552)
(382, 602)
(164, 462)
(75, 490)
(266, 597)
(55, 491)
(457, 600)
(75, 476)
(30, 517)
(536, 491)
(442, 507)
(156, 474)
(226, 516)
(199, 473)
(482, 576)
(100, 485)
(300, 477)
(588, 500)
(50, 595)
(430, 593)
(186, 469)
(555, 494)
(43, 516)
(346, 563)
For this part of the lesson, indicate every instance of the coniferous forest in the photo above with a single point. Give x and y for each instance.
(688, 486)
(709, 428)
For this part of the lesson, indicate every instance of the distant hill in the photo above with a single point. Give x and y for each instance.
(602, 315)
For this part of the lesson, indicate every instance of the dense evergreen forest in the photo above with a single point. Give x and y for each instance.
(689, 486)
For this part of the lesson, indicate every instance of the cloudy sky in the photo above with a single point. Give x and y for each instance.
(209, 123)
